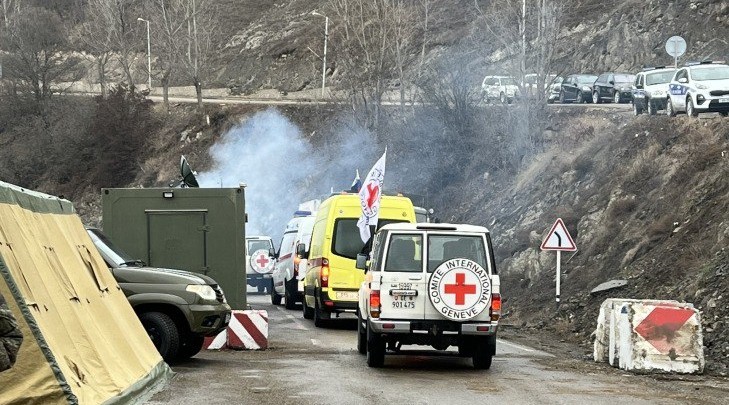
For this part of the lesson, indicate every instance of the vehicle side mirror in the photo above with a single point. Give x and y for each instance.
(301, 251)
(271, 252)
(611, 82)
(361, 262)
(683, 80)
(638, 86)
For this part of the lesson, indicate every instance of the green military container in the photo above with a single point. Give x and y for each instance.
(201, 230)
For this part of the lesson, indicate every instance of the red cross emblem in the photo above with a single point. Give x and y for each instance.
(374, 191)
(460, 289)
(262, 261)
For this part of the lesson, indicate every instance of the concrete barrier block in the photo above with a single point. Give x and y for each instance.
(248, 330)
(650, 335)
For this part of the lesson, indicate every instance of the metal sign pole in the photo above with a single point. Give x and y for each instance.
(559, 273)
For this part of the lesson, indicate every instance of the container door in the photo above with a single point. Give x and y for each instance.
(177, 240)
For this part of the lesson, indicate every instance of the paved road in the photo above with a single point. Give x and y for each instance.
(306, 365)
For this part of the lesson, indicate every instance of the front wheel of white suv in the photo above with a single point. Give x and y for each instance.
(690, 109)
(669, 108)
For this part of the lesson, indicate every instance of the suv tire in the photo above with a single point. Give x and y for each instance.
(483, 353)
(561, 97)
(375, 349)
(616, 97)
(289, 293)
(163, 332)
(596, 98)
(652, 110)
(275, 298)
(580, 98)
(361, 335)
(191, 345)
(669, 108)
(690, 109)
(636, 109)
(503, 99)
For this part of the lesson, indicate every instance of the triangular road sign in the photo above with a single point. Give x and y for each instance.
(558, 238)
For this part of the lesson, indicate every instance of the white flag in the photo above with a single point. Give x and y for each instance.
(369, 198)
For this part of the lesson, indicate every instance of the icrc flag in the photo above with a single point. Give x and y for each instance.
(369, 198)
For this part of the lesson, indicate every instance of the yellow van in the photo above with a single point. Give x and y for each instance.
(332, 282)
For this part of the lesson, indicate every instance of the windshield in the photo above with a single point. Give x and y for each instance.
(258, 244)
(346, 241)
(508, 81)
(586, 79)
(109, 251)
(712, 73)
(659, 77)
(444, 247)
(624, 78)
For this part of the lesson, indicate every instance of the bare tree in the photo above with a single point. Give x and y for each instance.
(98, 34)
(35, 39)
(10, 7)
(168, 18)
(373, 39)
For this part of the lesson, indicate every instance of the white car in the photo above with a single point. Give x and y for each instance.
(650, 90)
(291, 257)
(260, 262)
(432, 285)
(501, 88)
(699, 88)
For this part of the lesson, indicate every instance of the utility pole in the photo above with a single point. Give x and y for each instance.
(149, 55)
(324, 63)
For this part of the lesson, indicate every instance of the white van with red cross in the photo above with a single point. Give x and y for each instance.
(429, 284)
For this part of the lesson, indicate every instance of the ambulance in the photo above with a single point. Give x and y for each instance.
(332, 281)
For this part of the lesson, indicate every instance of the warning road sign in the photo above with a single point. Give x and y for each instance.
(558, 238)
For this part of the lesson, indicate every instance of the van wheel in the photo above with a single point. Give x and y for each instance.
(596, 98)
(290, 293)
(361, 335)
(669, 108)
(308, 312)
(275, 298)
(163, 332)
(318, 314)
(375, 349)
(690, 109)
(483, 353)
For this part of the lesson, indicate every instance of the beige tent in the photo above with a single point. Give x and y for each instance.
(82, 341)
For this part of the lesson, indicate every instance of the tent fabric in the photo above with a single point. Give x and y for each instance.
(83, 343)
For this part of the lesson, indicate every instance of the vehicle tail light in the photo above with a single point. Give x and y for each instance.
(324, 273)
(495, 307)
(375, 303)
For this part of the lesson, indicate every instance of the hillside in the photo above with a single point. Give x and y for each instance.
(646, 198)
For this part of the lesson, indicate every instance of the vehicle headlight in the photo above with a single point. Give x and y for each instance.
(203, 291)
(701, 86)
(586, 88)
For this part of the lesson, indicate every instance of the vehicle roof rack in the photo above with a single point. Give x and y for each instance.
(649, 68)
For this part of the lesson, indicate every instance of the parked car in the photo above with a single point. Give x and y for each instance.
(576, 88)
(697, 88)
(502, 88)
(650, 89)
(178, 309)
(531, 87)
(615, 87)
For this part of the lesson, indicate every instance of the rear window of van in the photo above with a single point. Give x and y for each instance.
(446, 247)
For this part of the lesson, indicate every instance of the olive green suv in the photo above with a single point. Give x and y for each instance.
(177, 308)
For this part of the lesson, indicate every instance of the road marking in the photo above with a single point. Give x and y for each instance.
(523, 348)
(294, 319)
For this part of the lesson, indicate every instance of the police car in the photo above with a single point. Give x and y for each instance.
(429, 284)
(698, 88)
(650, 89)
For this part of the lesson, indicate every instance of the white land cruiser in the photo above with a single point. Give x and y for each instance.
(433, 285)
(650, 90)
(260, 262)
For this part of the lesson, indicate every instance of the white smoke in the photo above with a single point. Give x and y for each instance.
(282, 169)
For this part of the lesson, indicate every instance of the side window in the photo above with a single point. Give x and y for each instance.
(287, 245)
(405, 254)
(637, 80)
(601, 79)
(681, 74)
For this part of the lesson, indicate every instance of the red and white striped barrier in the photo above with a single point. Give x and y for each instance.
(650, 336)
(247, 330)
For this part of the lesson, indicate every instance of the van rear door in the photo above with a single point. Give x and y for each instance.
(403, 279)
